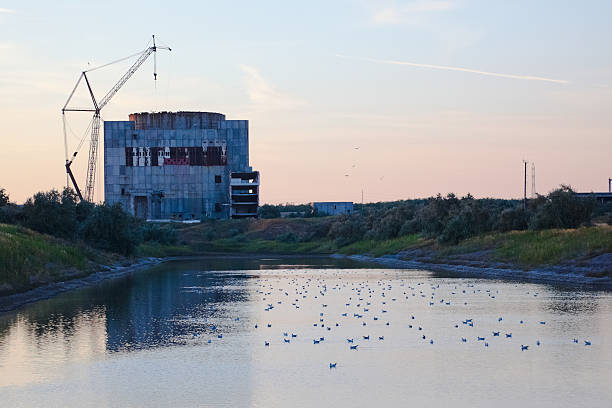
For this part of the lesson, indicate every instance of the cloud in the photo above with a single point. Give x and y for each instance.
(461, 69)
(401, 13)
(263, 96)
(6, 11)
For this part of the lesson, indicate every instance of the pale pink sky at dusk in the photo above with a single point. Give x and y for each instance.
(438, 96)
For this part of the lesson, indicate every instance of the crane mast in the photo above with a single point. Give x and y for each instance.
(95, 122)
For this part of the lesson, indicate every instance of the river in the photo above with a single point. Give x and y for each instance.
(263, 332)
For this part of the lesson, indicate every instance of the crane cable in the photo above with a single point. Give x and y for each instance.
(116, 61)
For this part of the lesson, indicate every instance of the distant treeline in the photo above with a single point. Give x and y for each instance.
(289, 210)
(448, 220)
(101, 226)
(452, 219)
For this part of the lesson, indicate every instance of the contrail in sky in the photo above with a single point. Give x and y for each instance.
(442, 67)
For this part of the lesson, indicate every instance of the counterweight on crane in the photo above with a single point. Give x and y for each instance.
(95, 122)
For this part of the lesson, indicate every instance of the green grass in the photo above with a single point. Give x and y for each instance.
(380, 248)
(240, 244)
(156, 250)
(27, 256)
(538, 247)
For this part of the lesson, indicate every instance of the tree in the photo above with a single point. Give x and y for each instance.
(52, 213)
(4, 198)
(111, 229)
(562, 208)
(269, 211)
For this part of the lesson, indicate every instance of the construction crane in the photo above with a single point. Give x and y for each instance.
(94, 125)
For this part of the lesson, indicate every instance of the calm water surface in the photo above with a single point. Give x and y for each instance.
(194, 333)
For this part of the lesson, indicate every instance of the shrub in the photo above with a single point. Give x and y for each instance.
(52, 213)
(163, 234)
(562, 208)
(268, 211)
(513, 219)
(347, 229)
(457, 229)
(288, 237)
(111, 229)
(4, 198)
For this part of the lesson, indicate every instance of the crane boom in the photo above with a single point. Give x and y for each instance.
(97, 107)
(143, 57)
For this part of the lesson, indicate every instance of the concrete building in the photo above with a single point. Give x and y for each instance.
(333, 207)
(180, 166)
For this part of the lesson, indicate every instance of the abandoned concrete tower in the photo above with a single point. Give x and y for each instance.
(180, 165)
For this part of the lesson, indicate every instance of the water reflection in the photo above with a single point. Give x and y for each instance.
(123, 335)
(170, 304)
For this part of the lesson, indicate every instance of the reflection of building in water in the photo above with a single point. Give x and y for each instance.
(159, 310)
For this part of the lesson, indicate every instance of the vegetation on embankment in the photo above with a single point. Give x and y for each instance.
(74, 238)
(29, 259)
(535, 248)
(54, 237)
(526, 249)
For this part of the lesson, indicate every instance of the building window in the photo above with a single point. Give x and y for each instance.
(217, 207)
(123, 191)
(217, 179)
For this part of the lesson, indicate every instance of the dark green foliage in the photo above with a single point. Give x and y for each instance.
(83, 209)
(348, 229)
(562, 208)
(162, 234)
(288, 237)
(52, 213)
(602, 209)
(449, 220)
(101, 226)
(513, 219)
(455, 230)
(268, 211)
(9, 212)
(111, 229)
(4, 198)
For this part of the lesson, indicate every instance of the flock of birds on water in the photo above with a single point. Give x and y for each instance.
(368, 302)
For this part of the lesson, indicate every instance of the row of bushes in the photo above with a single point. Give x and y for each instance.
(451, 219)
(101, 226)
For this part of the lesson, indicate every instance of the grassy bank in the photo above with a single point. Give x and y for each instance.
(532, 248)
(29, 259)
(293, 236)
(384, 247)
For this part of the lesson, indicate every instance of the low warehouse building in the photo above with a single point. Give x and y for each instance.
(333, 207)
(180, 165)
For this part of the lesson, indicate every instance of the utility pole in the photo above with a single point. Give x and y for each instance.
(610, 185)
(525, 186)
(533, 185)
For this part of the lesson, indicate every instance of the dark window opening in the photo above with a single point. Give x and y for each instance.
(123, 191)
(217, 179)
(217, 207)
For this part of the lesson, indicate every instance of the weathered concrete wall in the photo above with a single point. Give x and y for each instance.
(158, 190)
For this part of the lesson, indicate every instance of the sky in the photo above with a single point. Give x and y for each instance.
(395, 99)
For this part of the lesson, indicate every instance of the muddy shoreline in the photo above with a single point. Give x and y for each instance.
(14, 301)
(566, 274)
(547, 274)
